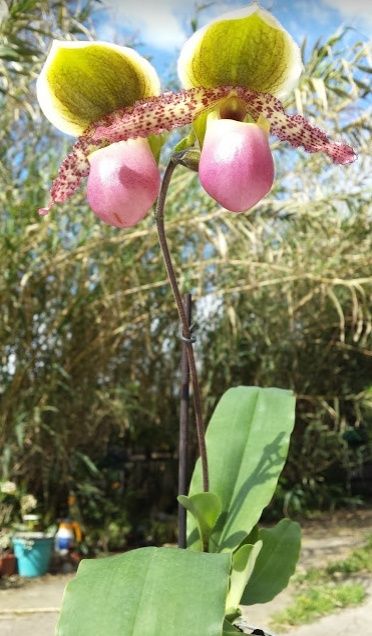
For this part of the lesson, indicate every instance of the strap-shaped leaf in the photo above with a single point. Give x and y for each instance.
(205, 508)
(147, 592)
(276, 562)
(247, 443)
(243, 563)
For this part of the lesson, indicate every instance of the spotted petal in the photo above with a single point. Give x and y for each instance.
(155, 115)
(82, 81)
(248, 47)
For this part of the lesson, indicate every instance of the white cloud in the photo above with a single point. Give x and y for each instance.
(359, 10)
(158, 22)
(162, 24)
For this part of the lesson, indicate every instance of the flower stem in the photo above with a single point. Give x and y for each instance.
(186, 331)
(183, 443)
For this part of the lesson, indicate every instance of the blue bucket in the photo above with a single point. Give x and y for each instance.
(33, 551)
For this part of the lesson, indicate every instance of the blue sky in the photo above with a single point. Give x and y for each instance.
(161, 26)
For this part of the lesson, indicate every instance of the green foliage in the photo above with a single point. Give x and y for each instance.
(247, 441)
(319, 600)
(285, 303)
(205, 507)
(243, 564)
(359, 561)
(14, 503)
(276, 562)
(139, 594)
(319, 591)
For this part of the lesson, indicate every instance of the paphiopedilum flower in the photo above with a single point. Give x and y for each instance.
(251, 49)
(234, 70)
(83, 81)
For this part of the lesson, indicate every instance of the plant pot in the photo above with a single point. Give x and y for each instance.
(33, 551)
(7, 564)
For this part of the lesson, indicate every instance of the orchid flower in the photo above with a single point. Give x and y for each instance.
(234, 71)
(83, 81)
(248, 48)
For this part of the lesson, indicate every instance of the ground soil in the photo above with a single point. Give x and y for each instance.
(33, 606)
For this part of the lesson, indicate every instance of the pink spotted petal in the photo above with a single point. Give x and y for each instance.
(155, 115)
(123, 182)
(236, 165)
(294, 129)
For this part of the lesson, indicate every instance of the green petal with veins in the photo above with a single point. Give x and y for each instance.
(247, 48)
(83, 81)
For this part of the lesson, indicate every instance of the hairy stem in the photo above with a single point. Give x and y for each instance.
(186, 331)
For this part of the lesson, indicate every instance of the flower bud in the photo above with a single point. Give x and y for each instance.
(189, 158)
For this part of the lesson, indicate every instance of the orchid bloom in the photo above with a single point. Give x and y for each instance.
(234, 72)
(248, 48)
(83, 81)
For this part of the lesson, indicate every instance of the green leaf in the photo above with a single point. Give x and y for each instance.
(230, 630)
(247, 443)
(88, 462)
(185, 143)
(364, 69)
(147, 592)
(156, 143)
(8, 53)
(206, 508)
(252, 537)
(243, 564)
(276, 562)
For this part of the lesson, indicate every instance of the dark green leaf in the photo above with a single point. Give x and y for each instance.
(276, 562)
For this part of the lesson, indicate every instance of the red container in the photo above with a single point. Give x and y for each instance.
(7, 564)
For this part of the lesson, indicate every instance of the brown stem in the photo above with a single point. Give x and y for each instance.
(186, 331)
